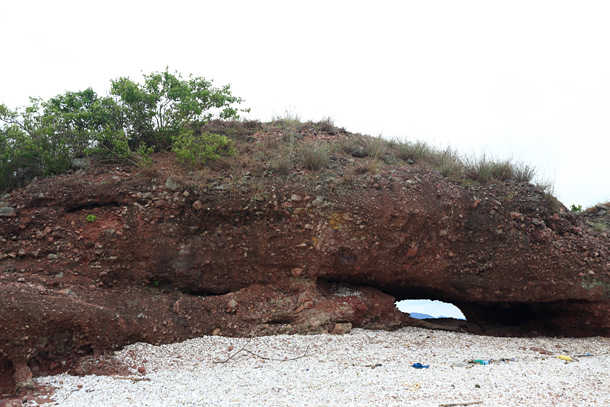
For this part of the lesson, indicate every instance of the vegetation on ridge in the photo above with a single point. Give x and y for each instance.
(135, 120)
(198, 122)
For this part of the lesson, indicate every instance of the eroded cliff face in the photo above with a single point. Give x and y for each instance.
(169, 257)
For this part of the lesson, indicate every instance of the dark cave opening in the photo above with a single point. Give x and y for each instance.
(502, 314)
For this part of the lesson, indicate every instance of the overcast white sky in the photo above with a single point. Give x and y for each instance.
(435, 309)
(525, 79)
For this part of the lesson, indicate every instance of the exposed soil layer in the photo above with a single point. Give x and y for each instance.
(168, 256)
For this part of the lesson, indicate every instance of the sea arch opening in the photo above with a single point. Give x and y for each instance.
(429, 309)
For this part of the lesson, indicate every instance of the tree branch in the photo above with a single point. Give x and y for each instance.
(243, 349)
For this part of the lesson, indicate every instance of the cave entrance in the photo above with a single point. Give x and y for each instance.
(430, 309)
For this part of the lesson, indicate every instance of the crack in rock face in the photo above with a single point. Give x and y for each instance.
(94, 261)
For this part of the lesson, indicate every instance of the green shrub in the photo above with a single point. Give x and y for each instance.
(163, 105)
(598, 226)
(91, 218)
(575, 208)
(142, 155)
(197, 150)
(136, 120)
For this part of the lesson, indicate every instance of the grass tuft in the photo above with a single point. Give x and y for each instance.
(314, 155)
(327, 125)
(281, 165)
(287, 121)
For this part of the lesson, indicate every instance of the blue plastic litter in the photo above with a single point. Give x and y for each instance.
(420, 366)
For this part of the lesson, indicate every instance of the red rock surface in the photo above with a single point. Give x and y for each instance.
(166, 261)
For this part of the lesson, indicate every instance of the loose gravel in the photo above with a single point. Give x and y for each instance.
(362, 368)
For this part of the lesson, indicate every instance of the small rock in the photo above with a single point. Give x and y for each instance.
(8, 212)
(171, 184)
(358, 152)
(232, 307)
(67, 291)
(390, 159)
(297, 271)
(341, 328)
(412, 251)
(142, 369)
(544, 235)
(515, 215)
(197, 205)
(295, 198)
(317, 201)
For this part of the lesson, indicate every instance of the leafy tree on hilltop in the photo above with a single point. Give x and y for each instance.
(162, 106)
(42, 138)
(136, 119)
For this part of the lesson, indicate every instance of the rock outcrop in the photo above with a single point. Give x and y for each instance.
(165, 260)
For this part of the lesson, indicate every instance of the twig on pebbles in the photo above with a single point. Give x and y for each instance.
(465, 403)
(243, 349)
(133, 379)
(373, 366)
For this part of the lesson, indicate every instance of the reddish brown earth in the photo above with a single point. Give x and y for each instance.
(163, 263)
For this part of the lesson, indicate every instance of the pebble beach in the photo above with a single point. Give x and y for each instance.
(361, 368)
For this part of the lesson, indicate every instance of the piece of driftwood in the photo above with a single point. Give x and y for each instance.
(133, 379)
(465, 403)
(243, 349)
